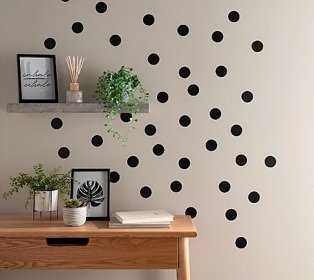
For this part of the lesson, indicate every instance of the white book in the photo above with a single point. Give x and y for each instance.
(146, 216)
(114, 223)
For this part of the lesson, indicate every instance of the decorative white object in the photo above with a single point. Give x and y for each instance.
(145, 216)
(114, 223)
(74, 217)
(75, 65)
(46, 201)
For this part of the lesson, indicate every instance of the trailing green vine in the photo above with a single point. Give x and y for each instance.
(120, 92)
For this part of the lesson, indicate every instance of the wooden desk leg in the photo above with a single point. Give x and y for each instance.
(183, 272)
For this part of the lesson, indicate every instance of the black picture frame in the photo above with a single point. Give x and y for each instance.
(96, 181)
(37, 77)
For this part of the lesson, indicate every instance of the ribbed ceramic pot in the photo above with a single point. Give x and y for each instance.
(74, 217)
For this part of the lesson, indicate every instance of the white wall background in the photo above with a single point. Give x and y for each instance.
(277, 122)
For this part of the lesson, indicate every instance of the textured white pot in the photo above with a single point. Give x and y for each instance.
(74, 217)
(46, 201)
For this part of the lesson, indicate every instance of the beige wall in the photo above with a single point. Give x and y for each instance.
(278, 122)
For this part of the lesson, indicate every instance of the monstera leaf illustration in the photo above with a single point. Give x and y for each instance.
(91, 192)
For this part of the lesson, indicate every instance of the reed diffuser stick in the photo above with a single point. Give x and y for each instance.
(75, 65)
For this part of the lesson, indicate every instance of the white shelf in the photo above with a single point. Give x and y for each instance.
(63, 108)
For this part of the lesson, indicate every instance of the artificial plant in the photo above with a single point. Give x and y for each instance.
(41, 181)
(119, 92)
(74, 203)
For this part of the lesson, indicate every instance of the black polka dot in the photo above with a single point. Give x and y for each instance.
(162, 97)
(224, 186)
(257, 46)
(65, 0)
(211, 145)
(191, 211)
(231, 214)
(150, 129)
(146, 192)
(215, 113)
(176, 186)
(50, 43)
(241, 160)
(254, 197)
(56, 123)
(183, 30)
(234, 16)
(114, 177)
(97, 140)
(217, 36)
(236, 130)
(101, 7)
(125, 117)
(184, 72)
(184, 163)
(64, 152)
(270, 161)
(158, 149)
(247, 96)
(148, 19)
(221, 71)
(193, 89)
(133, 161)
(185, 121)
(115, 40)
(153, 59)
(77, 27)
(241, 242)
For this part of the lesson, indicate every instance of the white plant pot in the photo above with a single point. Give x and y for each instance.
(46, 201)
(74, 217)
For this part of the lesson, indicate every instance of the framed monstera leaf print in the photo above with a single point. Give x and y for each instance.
(92, 186)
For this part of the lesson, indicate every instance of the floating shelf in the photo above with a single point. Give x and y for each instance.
(63, 108)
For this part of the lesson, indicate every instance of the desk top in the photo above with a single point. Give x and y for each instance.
(24, 227)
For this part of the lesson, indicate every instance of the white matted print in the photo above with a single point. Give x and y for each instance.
(92, 186)
(37, 78)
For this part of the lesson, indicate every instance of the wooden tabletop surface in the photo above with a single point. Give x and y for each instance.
(24, 227)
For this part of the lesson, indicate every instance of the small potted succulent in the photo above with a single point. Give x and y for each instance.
(43, 187)
(120, 92)
(74, 212)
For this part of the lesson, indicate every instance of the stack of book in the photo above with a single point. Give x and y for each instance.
(141, 219)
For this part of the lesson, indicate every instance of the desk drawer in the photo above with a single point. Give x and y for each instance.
(93, 253)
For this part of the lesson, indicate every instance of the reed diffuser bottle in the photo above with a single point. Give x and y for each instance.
(75, 65)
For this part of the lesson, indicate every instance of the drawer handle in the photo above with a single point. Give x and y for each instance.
(67, 241)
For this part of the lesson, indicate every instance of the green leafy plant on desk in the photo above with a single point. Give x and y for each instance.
(74, 203)
(74, 212)
(118, 92)
(41, 181)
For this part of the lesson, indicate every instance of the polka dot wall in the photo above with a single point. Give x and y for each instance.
(215, 114)
(208, 147)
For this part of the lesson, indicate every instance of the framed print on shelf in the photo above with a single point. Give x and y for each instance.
(37, 78)
(92, 186)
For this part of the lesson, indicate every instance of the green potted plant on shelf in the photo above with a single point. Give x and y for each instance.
(119, 92)
(74, 212)
(43, 187)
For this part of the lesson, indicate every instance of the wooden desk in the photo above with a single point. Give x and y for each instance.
(42, 244)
